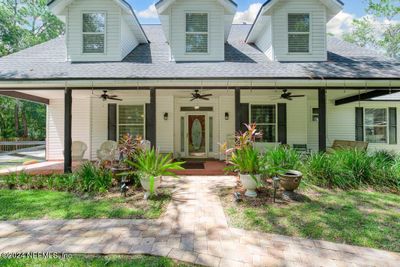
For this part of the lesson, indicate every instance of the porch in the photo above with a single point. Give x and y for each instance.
(174, 123)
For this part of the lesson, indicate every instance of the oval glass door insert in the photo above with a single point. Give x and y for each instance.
(196, 134)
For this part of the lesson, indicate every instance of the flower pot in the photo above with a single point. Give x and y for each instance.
(145, 182)
(249, 184)
(290, 181)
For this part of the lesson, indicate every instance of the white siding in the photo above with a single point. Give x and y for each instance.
(264, 42)
(317, 11)
(113, 30)
(165, 128)
(99, 111)
(55, 126)
(215, 35)
(128, 38)
(227, 127)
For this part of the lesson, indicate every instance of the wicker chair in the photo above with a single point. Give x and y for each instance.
(107, 151)
(78, 150)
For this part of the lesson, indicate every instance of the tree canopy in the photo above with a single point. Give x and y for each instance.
(380, 29)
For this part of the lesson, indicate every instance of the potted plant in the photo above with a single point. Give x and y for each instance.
(283, 162)
(150, 166)
(247, 162)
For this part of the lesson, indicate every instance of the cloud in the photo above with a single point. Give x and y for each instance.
(248, 16)
(340, 24)
(149, 13)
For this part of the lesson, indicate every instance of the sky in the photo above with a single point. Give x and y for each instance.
(247, 11)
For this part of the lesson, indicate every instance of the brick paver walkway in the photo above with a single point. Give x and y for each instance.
(194, 229)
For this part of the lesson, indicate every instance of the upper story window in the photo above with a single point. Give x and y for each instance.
(299, 33)
(265, 118)
(94, 30)
(196, 32)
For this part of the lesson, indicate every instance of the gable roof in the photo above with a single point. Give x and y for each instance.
(58, 5)
(242, 61)
(161, 5)
(335, 6)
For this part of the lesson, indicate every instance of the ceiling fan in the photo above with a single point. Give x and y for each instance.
(288, 95)
(198, 95)
(105, 96)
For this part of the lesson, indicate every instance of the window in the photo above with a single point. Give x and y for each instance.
(315, 114)
(375, 125)
(265, 118)
(130, 120)
(196, 32)
(94, 28)
(299, 33)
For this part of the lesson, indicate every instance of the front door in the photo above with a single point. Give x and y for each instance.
(197, 136)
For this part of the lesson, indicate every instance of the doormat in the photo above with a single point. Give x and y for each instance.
(193, 165)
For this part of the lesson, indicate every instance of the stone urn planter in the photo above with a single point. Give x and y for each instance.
(290, 180)
(249, 184)
(145, 182)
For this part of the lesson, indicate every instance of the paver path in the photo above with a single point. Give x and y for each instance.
(194, 229)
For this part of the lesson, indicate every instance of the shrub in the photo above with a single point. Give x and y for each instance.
(246, 161)
(93, 178)
(353, 169)
(281, 159)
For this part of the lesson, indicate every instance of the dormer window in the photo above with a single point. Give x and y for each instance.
(196, 33)
(299, 33)
(93, 33)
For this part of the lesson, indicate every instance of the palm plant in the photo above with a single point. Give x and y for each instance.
(150, 164)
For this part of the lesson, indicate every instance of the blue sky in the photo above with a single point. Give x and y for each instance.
(353, 7)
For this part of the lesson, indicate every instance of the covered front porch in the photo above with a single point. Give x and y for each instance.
(174, 122)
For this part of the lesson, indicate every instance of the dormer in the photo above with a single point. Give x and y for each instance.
(196, 30)
(98, 30)
(294, 30)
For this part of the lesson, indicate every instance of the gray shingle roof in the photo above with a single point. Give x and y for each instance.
(151, 61)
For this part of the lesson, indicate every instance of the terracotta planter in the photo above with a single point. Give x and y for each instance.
(249, 184)
(145, 182)
(290, 181)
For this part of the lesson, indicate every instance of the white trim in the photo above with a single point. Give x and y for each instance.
(94, 33)
(374, 125)
(132, 124)
(266, 124)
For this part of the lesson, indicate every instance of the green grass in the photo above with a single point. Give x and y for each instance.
(83, 261)
(368, 219)
(38, 204)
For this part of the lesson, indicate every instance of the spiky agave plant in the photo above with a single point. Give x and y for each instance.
(150, 164)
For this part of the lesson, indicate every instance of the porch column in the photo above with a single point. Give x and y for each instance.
(322, 119)
(237, 110)
(67, 130)
(151, 118)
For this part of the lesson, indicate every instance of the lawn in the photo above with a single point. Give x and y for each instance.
(39, 204)
(363, 218)
(83, 261)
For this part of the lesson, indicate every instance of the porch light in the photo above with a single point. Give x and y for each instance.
(226, 116)
(196, 107)
(166, 116)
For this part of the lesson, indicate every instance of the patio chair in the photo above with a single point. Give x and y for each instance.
(146, 144)
(107, 151)
(78, 150)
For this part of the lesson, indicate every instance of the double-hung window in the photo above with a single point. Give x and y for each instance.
(93, 32)
(196, 33)
(131, 120)
(376, 125)
(299, 33)
(265, 118)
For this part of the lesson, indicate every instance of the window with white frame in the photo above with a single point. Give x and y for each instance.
(196, 32)
(299, 33)
(265, 118)
(131, 120)
(93, 32)
(375, 125)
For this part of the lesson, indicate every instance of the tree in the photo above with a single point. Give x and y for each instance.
(379, 29)
(24, 23)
